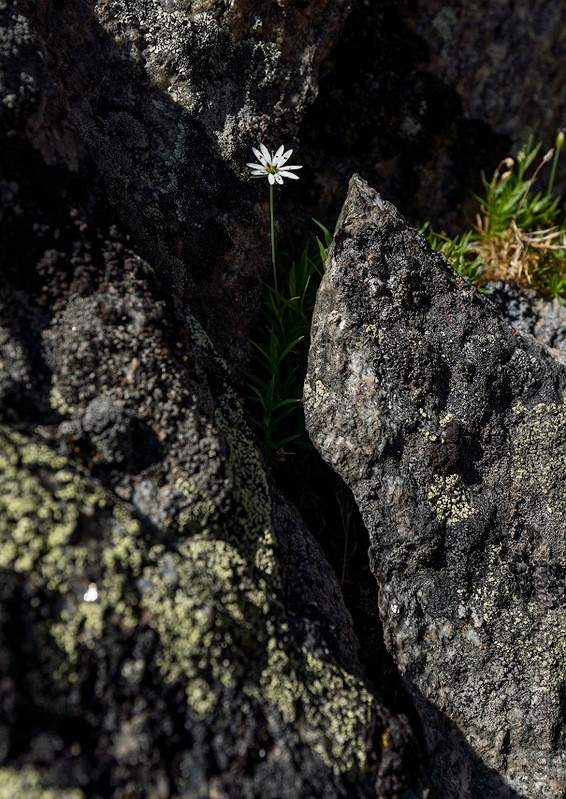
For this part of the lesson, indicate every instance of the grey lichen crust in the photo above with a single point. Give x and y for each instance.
(450, 429)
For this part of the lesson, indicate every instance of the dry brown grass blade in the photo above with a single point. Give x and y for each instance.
(518, 255)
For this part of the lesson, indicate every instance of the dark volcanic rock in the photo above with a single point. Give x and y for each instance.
(199, 644)
(498, 56)
(383, 113)
(168, 628)
(166, 100)
(420, 97)
(450, 428)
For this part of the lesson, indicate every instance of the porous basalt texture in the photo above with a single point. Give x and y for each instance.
(530, 313)
(167, 626)
(296, 27)
(167, 102)
(450, 428)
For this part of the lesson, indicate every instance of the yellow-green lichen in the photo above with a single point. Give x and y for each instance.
(319, 392)
(85, 624)
(449, 499)
(201, 512)
(210, 615)
(538, 450)
(58, 403)
(46, 511)
(214, 597)
(27, 784)
(336, 706)
(41, 503)
(530, 634)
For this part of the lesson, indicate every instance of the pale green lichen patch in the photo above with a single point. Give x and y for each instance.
(210, 615)
(530, 634)
(58, 403)
(319, 392)
(214, 596)
(224, 624)
(27, 784)
(335, 705)
(41, 503)
(221, 625)
(538, 451)
(84, 624)
(46, 510)
(201, 513)
(449, 499)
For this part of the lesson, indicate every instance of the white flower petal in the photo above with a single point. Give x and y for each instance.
(288, 174)
(284, 158)
(259, 156)
(256, 166)
(259, 173)
(288, 166)
(278, 154)
(266, 154)
(278, 178)
(271, 178)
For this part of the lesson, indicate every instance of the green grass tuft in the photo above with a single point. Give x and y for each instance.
(517, 235)
(276, 374)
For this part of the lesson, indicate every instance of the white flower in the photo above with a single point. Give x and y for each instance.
(271, 166)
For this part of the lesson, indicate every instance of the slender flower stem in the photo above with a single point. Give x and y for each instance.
(275, 168)
(557, 147)
(272, 230)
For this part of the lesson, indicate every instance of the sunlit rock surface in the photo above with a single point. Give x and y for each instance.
(450, 428)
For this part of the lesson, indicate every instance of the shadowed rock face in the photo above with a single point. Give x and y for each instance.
(166, 100)
(501, 59)
(450, 428)
(420, 98)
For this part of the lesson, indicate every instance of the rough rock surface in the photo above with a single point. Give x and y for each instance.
(168, 628)
(166, 100)
(530, 313)
(382, 112)
(450, 428)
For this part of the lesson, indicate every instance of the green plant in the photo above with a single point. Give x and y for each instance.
(510, 198)
(517, 235)
(275, 375)
(460, 251)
